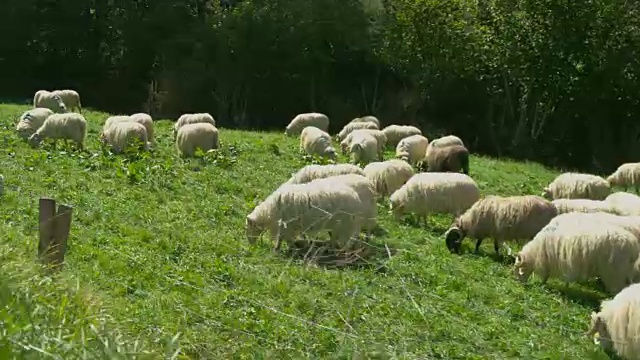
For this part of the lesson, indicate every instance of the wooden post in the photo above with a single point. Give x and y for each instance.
(54, 232)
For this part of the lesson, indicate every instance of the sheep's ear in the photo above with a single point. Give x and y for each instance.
(518, 261)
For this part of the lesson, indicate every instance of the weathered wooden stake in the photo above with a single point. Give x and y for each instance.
(54, 232)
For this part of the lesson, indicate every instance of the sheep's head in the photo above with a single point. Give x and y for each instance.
(287, 131)
(453, 238)
(404, 156)
(252, 230)
(612, 180)
(396, 208)
(102, 138)
(522, 270)
(546, 193)
(599, 331)
(331, 153)
(35, 139)
(62, 108)
(344, 147)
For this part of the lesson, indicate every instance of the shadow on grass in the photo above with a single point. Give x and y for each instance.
(363, 255)
(586, 297)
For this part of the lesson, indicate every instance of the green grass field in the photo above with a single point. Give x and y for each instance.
(158, 262)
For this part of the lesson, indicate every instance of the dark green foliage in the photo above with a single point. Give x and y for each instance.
(555, 81)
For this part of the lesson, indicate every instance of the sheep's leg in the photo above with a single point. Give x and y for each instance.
(496, 246)
(478, 243)
(276, 247)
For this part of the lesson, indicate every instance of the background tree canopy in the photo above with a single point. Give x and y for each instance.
(549, 80)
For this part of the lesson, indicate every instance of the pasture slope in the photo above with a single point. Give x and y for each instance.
(158, 254)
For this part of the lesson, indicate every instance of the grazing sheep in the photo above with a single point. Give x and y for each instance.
(625, 176)
(312, 172)
(388, 176)
(31, 120)
(193, 136)
(616, 327)
(121, 135)
(363, 148)
(196, 118)
(451, 158)
(147, 121)
(578, 251)
(577, 186)
(352, 126)
(301, 121)
(583, 205)
(295, 209)
(49, 100)
(366, 192)
(412, 148)
(431, 193)
(67, 126)
(517, 218)
(379, 135)
(70, 98)
(368, 118)
(444, 141)
(314, 141)
(395, 133)
(624, 203)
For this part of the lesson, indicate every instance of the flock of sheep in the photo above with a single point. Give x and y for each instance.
(576, 229)
(51, 119)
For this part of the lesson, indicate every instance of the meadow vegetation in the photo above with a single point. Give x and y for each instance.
(158, 264)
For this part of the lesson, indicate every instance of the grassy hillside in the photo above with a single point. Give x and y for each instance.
(160, 242)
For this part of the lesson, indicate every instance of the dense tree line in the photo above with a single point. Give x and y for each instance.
(550, 80)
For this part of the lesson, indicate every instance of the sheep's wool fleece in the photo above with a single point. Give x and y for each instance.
(388, 176)
(312, 172)
(624, 203)
(319, 120)
(309, 208)
(621, 318)
(428, 193)
(120, 135)
(395, 133)
(352, 126)
(583, 205)
(579, 186)
(507, 218)
(198, 135)
(578, 251)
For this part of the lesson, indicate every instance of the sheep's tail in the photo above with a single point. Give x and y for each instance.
(464, 162)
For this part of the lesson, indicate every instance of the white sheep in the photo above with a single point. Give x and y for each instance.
(31, 120)
(381, 138)
(629, 223)
(452, 158)
(388, 176)
(121, 135)
(112, 120)
(444, 141)
(314, 141)
(296, 209)
(67, 126)
(185, 119)
(70, 98)
(412, 148)
(49, 100)
(395, 133)
(366, 192)
(363, 148)
(352, 126)
(368, 118)
(147, 121)
(301, 121)
(312, 172)
(624, 203)
(577, 186)
(435, 193)
(617, 325)
(517, 218)
(580, 250)
(583, 205)
(193, 136)
(626, 175)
